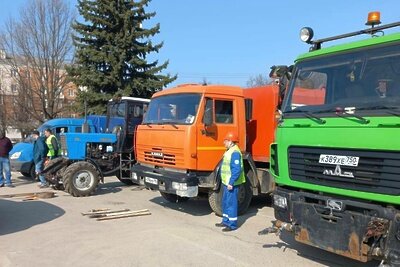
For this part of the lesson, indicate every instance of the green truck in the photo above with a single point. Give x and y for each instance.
(336, 156)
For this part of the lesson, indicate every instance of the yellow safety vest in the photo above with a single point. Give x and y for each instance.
(52, 152)
(226, 168)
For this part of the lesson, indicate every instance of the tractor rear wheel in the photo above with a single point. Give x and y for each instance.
(80, 179)
(54, 172)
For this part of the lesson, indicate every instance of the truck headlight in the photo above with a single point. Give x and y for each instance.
(280, 201)
(179, 186)
(15, 155)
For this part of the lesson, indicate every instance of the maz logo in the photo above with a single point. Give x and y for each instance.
(338, 172)
(157, 154)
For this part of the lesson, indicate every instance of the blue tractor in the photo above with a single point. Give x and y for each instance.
(21, 156)
(89, 157)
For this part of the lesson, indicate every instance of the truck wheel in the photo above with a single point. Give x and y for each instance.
(215, 201)
(173, 198)
(31, 173)
(80, 179)
(28, 175)
(245, 195)
(124, 181)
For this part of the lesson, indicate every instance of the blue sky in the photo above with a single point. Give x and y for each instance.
(227, 42)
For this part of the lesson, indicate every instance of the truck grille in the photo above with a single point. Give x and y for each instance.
(157, 156)
(377, 171)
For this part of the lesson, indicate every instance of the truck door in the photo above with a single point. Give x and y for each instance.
(210, 145)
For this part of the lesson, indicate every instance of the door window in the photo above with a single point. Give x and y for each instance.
(223, 111)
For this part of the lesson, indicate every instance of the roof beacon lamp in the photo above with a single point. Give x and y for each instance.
(306, 34)
(374, 18)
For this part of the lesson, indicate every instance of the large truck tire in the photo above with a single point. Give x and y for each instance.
(80, 179)
(245, 195)
(215, 201)
(173, 198)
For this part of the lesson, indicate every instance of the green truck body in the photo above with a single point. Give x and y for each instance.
(336, 159)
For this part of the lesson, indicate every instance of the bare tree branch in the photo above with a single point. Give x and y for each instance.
(38, 45)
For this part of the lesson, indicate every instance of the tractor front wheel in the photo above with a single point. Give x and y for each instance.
(80, 179)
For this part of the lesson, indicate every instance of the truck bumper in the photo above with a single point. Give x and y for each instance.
(181, 184)
(358, 230)
(20, 166)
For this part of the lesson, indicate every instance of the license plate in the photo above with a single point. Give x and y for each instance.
(151, 180)
(339, 160)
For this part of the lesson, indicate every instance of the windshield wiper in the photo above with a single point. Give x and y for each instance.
(341, 111)
(310, 115)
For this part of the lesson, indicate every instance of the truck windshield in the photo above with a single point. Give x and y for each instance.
(365, 80)
(173, 109)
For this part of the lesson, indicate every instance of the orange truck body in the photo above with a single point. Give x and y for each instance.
(189, 153)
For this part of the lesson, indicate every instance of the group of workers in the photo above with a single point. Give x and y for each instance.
(44, 147)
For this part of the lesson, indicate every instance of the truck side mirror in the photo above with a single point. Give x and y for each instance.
(248, 104)
(280, 71)
(207, 119)
(208, 113)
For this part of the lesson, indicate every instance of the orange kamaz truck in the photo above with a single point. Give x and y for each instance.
(180, 142)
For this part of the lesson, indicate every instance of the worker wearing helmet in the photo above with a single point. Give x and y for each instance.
(232, 175)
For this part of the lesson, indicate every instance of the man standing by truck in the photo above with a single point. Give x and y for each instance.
(232, 175)
(5, 148)
(52, 144)
(40, 151)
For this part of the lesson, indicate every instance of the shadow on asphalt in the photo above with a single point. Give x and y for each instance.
(18, 216)
(196, 206)
(109, 188)
(256, 204)
(21, 180)
(200, 207)
(326, 258)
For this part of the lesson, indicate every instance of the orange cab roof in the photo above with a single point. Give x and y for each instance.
(201, 89)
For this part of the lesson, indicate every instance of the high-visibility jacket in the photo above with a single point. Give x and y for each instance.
(49, 144)
(226, 172)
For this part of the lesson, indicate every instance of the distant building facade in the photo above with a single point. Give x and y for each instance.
(23, 104)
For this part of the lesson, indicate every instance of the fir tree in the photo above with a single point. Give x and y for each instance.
(111, 52)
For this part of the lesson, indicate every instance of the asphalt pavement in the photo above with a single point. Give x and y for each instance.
(53, 232)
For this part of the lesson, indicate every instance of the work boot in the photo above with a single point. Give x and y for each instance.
(41, 186)
(220, 225)
(227, 229)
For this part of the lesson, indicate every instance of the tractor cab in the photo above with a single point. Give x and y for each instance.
(123, 115)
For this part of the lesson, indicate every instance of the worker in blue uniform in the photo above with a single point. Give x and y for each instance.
(232, 175)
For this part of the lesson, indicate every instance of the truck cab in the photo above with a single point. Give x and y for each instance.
(180, 143)
(336, 159)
